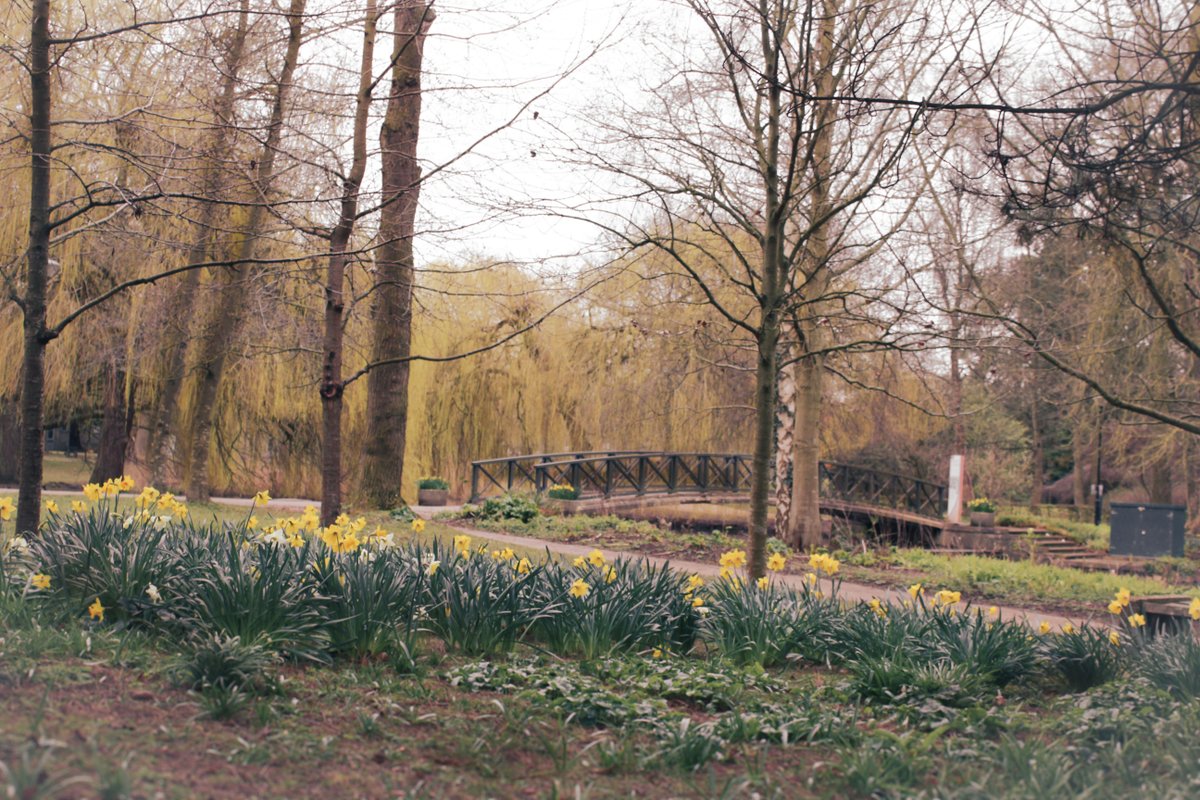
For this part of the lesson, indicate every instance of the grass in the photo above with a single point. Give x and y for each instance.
(1014, 582)
(1093, 536)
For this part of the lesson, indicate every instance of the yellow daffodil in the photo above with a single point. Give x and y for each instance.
(1124, 596)
(762, 582)
(432, 568)
(40, 581)
(610, 575)
(1068, 628)
(148, 497)
(1115, 607)
(580, 562)
(92, 491)
(824, 563)
(877, 607)
(697, 601)
(694, 582)
(51, 507)
(126, 484)
(1114, 637)
(1136, 620)
(776, 562)
(78, 506)
(916, 590)
(262, 498)
(7, 507)
(523, 566)
(596, 558)
(656, 653)
(580, 588)
(1044, 627)
(1194, 608)
(463, 545)
(252, 523)
(994, 611)
(96, 610)
(811, 578)
(418, 525)
(732, 559)
(947, 598)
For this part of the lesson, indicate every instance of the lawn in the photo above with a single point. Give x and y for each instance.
(140, 658)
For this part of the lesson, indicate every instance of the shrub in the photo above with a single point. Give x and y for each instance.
(1084, 658)
(624, 606)
(688, 746)
(482, 606)
(268, 593)
(227, 662)
(433, 483)
(764, 626)
(372, 603)
(510, 506)
(1172, 663)
(103, 555)
(998, 652)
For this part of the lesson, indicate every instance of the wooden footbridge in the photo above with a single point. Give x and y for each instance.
(846, 489)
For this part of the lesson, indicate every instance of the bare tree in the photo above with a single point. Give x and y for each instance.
(387, 384)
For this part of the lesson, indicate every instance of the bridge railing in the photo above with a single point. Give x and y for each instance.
(617, 473)
(874, 487)
(647, 473)
(516, 473)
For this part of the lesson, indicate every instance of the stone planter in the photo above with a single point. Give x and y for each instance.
(432, 497)
(983, 519)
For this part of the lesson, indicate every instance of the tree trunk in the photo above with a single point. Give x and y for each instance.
(805, 513)
(332, 386)
(1079, 471)
(785, 427)
(387, 383)
(33, 362)
(234, 294)
(764, 441)
(1037, 457)
(172, 351)
(114, 440)
(10, 441)
(805, 532)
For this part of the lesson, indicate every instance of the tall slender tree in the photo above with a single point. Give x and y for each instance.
(387, 384)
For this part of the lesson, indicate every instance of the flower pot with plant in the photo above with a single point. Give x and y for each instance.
(563, 491)
(983, 512)
(433, 491)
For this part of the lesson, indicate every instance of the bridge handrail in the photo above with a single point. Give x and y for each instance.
(900, 475)
(569, 454)
(588, 458)
(539, 470)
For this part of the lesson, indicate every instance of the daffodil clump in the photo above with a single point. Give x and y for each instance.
(562, 491)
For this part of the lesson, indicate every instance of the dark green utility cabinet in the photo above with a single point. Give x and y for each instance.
(1146, 529)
